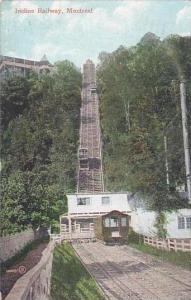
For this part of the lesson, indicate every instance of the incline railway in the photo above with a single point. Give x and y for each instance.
(124, 273)
(90, 174)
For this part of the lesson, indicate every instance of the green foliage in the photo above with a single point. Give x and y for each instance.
(70, 280)
(140, 105)
(14, 98)
(182, 259)
(160, 222)
(39, 146)
(134, 237)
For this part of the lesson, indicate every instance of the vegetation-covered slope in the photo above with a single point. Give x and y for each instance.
(40, 120)
(70, 280)
(140, 106)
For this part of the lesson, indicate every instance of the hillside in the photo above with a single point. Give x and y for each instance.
(40, 122)
(140, 109)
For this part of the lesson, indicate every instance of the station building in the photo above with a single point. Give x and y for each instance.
(84, 209)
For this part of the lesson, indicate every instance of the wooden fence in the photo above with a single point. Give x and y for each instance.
(169, 243)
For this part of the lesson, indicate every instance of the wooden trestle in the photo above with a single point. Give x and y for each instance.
(90, 179)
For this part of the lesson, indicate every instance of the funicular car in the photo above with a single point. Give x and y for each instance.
(83, 158)
(93, 91)
(112, 227)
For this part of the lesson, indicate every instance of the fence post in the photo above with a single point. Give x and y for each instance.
(168, 244)
(175, 245)
(182, 244)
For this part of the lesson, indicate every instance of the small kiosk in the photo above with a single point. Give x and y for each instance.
(112, 227)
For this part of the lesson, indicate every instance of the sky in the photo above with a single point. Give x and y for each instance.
(76, 36)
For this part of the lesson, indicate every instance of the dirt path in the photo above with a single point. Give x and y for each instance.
(32, 258)
(126, 273)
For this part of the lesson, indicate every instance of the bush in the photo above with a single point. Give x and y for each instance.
(134, 238)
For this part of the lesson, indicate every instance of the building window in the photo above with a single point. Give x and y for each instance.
(188, 222)
(123, 221)
(105, 200)
(181, 222)
(83, 201)
(184, 222)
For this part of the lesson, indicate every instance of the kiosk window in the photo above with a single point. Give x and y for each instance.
(106, 222)
(123, 221)
(114, 222)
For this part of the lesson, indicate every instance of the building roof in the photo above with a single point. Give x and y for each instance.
(89, 61)
(10, 59)
(95, 194)
(44, 60)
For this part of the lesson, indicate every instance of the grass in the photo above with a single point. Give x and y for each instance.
(179, 258)
(70, 280)
(22, 254)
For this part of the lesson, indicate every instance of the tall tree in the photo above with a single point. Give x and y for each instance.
(140, 107)
(39, 146)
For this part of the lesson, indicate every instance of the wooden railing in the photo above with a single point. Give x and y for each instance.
(169, 243)
(77, 232)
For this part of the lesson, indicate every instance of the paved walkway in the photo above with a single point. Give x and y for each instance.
(126, 273)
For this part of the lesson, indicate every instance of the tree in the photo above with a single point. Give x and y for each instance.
(39, 147)
(140, 106)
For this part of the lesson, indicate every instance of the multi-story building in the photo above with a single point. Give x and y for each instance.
(11, 66)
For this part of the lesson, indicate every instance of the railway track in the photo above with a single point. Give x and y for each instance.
(164, 271)
(102, 274)
(124, 274)
(90, 177)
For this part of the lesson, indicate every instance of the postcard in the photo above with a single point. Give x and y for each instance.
(95, 149)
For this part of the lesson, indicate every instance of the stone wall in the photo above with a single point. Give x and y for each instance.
(12, 244)
(35, 284)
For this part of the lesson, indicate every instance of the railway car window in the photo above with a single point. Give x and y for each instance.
(83, 201)
(105, 200)
(114, 222)
(106, 222)
(123, 221)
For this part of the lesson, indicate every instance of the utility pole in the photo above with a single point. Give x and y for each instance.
(127, 115)
(185, 136)
(166, 161)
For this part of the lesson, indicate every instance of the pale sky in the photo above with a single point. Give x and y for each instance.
(80, 36)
